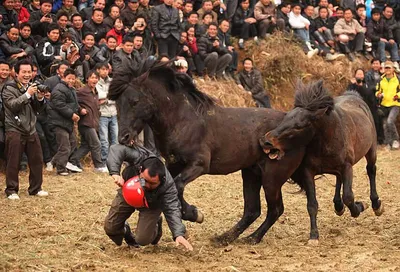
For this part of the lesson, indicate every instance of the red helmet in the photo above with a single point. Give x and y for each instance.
(133, 192)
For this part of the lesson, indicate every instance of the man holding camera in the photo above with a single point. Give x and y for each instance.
(21, 103)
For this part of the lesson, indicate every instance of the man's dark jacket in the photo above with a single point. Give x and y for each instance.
(89, 101)
(164, 197)
(165, 21)
(39, 28)
(64, 103)
(20, 111)
(10, 48)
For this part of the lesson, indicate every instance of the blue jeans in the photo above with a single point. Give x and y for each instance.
(108, 126)
(382, 46)
(303, 34)
(86, 4)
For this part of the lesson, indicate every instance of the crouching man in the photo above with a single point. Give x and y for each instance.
(154, 193)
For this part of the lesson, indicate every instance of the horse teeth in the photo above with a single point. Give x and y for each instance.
(273, 156)
(267, 150)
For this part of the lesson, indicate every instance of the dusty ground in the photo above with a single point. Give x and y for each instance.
(64, 231)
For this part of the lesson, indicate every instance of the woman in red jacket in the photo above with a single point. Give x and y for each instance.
(117, 31)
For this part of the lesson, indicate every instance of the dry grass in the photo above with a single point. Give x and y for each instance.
(64, 231)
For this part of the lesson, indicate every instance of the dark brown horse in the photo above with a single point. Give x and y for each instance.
(336, 133)
(197, 137)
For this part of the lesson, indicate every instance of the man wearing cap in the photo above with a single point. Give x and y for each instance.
(160, 196)
(388, 91)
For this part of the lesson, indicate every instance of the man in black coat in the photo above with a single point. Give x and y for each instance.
(48, 49)
(87, 13)
(12, 45)
(216, 57)
(41, 19)
(10, 16)
(160, 196)
(127, 58)
(381, 36)
(165, 24)
(96, 26)
(62, 115)
(244, 23)
(250, 80)
(225, 41)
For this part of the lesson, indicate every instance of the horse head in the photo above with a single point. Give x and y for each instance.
(134, 106)
(298, 127)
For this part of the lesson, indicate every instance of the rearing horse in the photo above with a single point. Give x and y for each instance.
(197, 137)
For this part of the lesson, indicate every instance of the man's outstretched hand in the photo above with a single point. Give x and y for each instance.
(180, 240)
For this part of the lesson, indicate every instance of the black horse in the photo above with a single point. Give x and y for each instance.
(336, 133)
(197, 137)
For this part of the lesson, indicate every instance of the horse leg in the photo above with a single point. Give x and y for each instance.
(252, 207)
(337, 200)
(371, 171)
(273, 195)
(348, 197)
(190, 173)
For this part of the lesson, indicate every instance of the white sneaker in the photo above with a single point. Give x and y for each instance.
(13, 197)
(49, 167)
(73, 168)
(395, 144)
(42, 193)
(311, 53)
(101, 169)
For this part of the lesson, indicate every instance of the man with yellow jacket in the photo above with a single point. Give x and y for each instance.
(388, 91)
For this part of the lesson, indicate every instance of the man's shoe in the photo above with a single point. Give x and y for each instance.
(49, 167)
(63, 173)
(101, 169)
(129, 237)
(159, 232)
(42, 193)
(73, 168)
(13, 196)
(395, 144)
(351, 57)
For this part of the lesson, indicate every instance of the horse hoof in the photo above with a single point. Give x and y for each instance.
(380, 210)
(200, 217)
(222, 240)
(251, 240)
(340, 213)
(313, 242)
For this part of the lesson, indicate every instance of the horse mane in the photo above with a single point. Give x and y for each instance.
(151, 71)
(352, 93)
(181, 83)
(312, 96)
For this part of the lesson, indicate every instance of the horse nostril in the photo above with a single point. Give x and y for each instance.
(266, 142)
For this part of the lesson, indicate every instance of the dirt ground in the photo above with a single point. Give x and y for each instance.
(64, 232)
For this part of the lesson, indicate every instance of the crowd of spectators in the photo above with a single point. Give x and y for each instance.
(88, 41)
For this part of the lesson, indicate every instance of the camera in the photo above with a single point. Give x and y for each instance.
(359, 80)
(41, 87)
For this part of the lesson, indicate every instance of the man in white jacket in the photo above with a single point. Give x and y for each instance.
(108, 124)
(300, 26)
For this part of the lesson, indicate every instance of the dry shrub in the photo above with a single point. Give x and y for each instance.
(226, 93)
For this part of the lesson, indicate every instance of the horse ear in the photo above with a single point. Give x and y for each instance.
(318, 114)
